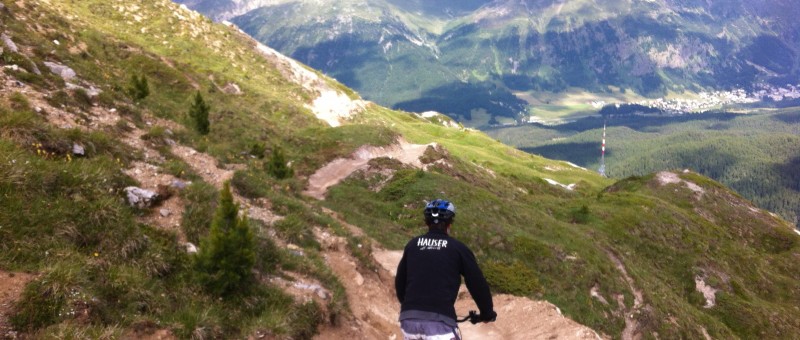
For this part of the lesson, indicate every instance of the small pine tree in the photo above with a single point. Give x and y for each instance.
(138, 88)
(276, 166)
(227, 255)
(199, 114)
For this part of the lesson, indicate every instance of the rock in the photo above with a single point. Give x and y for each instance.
(140, 198)
(38, 109)
(77, 149)
(322, 294)
(232, 88)
(359, 279)
(91, 91)
(190, 248)
(165, 212)
(56, 42)
(9, 43)
(178, 184)
(61, 70)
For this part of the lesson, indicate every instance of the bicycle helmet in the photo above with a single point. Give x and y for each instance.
(439, 210)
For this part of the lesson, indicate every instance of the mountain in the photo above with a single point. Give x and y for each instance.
(110, 179)
(500, 59)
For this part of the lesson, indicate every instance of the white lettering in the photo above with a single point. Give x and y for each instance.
(425, 243)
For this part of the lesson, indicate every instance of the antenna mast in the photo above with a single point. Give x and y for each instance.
(602, 169)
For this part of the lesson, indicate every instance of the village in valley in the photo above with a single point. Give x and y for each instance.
(716, 100)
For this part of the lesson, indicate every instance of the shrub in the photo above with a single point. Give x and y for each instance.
(581, 215)
(138, 88)
(276, 166)
(19, 102)
(83, 99)
(251, 184)
(258, 149)
(198, 112)
(305, 319)
(295, 230)
(512, 278)
(227, 256)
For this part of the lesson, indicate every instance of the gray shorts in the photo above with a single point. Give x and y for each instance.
(415, 329)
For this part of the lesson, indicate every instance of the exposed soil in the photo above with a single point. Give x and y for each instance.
(375, 301)
(339, 169)
(631, 330)
(11, 286)
(666, 177)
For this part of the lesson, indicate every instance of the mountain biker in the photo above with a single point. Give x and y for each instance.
(429, 275)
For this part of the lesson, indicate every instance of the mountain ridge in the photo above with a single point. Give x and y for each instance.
(515, 47)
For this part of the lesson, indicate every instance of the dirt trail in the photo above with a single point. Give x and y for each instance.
(631, 324)
(11, 287)
(373, 302)
(518, 317)
(337, 170)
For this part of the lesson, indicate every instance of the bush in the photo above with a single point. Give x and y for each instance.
(198, 112)
(305, 319)
(276, 166)
(19, 102)
(296, 230)
(251, 184)
(512, 278)
(227, 256)
(258, 150)
(82, 99)
(138, 88)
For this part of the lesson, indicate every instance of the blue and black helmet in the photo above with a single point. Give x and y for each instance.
(439, 210)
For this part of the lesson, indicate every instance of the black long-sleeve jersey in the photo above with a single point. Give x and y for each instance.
(430, 271)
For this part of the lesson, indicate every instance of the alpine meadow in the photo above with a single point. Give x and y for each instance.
(166, 176)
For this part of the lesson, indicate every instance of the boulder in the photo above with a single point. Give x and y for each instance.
(178, 184)
(232, 88)
(190, 248)
(63, 71)
(9, 43)
(140, 198)
(78, 150)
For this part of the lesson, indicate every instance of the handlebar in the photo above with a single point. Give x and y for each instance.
(473, 317)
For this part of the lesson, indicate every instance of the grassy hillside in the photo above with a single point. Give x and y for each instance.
(102, 269)
(755, 154)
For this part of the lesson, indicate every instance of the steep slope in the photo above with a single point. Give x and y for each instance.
(639, 257)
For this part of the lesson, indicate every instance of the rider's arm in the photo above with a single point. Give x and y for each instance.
(476, 283)
(400, 279)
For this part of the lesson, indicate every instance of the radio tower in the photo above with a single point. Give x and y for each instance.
(602, 169)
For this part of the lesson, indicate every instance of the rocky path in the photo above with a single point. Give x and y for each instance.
(11, 286)
(339, 169)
